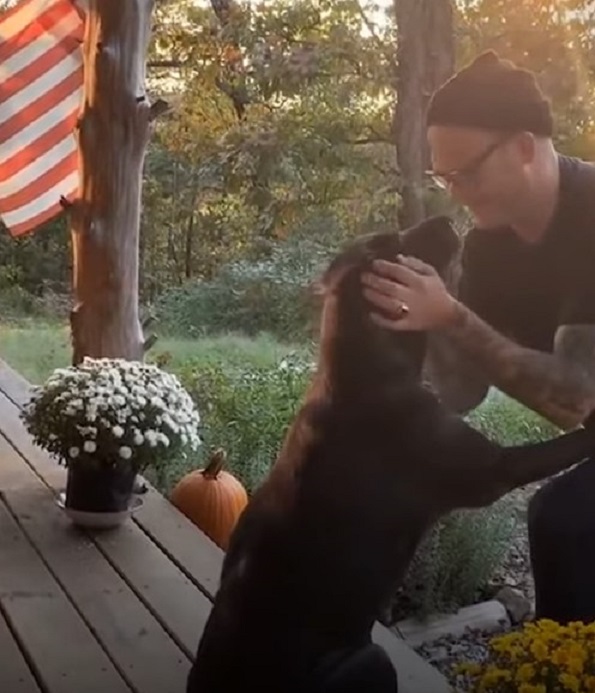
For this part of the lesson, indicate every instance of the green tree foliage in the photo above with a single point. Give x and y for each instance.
(284, 116)
(282, 119)
(35, 262)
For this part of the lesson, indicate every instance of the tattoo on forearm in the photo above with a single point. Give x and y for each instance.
(559, 386)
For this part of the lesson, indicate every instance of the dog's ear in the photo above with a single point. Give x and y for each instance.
(434, 241)
(359, 254)
(383, 246)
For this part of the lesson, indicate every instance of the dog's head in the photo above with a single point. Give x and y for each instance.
(350, 340)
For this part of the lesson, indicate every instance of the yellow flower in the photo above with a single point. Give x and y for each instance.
(539, 650)
(530, 688)
(570, 683)
(559, 656)
(575, 664)
(492, 676)
(543, 652)
(525, 673)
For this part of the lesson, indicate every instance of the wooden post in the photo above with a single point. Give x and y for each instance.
(113, 134)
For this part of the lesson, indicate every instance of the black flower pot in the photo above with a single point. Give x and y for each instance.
(99, 488)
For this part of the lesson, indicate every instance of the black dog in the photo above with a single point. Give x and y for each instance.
(371, 461)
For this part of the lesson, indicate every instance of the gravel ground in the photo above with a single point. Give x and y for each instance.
(516, 569)
(515, 572)
(446, 653)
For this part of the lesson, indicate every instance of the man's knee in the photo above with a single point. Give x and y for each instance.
(541, 510)
(546, 512)
(366, 670)
(563, 502)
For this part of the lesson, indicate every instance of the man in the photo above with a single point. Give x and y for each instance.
(524, 316)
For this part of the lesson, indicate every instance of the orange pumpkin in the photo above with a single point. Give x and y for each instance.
(212, 499)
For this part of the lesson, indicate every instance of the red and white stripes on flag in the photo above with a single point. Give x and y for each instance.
(41, 81)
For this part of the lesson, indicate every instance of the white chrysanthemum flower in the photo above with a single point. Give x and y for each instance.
(125, 452)
(151, 438)
(103, 399)
(90, 446)
(88, 431)
(157, 402)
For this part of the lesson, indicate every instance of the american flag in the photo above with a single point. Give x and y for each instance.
(41, 81)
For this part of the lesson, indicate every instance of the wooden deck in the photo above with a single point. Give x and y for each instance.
(114, 611)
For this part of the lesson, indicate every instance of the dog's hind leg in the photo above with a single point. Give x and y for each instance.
(367, 669)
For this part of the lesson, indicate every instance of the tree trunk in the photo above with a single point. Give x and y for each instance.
(440, 50)
(113, 134)
(425, 57)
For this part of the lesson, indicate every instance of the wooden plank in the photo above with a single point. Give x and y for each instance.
(15, 675)
(172, 597)
(176, 601)
(14, 386)
(141, 649)
(191, 549)
(66, 655)
(13, 429)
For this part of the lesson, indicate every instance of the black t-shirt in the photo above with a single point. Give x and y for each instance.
(526, 291)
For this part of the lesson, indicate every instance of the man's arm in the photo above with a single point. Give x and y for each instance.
(453, 375)
(560, 386)
(459, 383)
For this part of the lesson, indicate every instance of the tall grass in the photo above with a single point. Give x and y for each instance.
(35, 348)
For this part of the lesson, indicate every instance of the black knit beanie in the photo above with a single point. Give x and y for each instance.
(492, 94)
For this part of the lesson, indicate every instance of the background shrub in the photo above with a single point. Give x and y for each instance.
(247, 410)
(271, 294)
(455, 560)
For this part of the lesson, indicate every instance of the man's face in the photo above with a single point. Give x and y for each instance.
(482, 170)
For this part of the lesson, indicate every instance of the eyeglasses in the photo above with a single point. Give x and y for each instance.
(467, 175)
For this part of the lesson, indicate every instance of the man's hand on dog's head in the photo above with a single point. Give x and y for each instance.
(410, 294)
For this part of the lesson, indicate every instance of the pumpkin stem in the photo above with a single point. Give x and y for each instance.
(215, 464)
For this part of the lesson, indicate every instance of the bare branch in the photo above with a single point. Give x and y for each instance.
(159, 108)
(150, 342)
